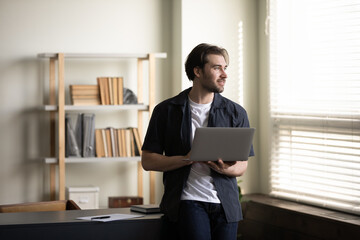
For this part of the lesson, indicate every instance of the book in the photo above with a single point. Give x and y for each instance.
(111, 92)
(119, 142)
(84, 89)
(112, 140)
(115, 90)
(116, 144)
(108, 142)
(85, 94)
(138, 143)
(145, 208)
(128, 142)
(123, 142)
(102, 90)
(100, 151)
(86, 102)
(120, 88)
(132, 143)
(104, 140)
(107, 87)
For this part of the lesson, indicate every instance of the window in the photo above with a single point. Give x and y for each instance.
(315, 101)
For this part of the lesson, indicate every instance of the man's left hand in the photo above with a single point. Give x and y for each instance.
(220, 166)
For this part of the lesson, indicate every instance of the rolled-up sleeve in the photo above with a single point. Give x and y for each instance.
(154, 138)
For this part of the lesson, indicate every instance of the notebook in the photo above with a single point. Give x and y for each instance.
(145, 208)
(229, 144)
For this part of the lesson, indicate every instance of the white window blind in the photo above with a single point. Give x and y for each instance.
(315, 101)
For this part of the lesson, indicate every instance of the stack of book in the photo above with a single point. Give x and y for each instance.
(122, 142)
(85, 94)
(111, 90)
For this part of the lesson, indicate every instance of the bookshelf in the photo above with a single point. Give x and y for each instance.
(97, 108)
(92, 160)
(57, 108)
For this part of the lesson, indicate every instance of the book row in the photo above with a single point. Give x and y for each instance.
(111, 90)
(121, 142)
(108, 91)
(83, 140)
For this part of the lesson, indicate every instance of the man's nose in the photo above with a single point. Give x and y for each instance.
(223, 73)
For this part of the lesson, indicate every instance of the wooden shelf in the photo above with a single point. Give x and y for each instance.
(57, 110)
(102, 55)
(98, 107)
(93, 160)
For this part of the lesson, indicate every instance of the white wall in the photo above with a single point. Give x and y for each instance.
(217, 22)
(264, 99)
(29, 27)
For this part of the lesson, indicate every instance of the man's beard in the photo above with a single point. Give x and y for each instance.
(213, 88)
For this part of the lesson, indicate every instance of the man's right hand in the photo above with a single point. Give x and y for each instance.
(157, 162)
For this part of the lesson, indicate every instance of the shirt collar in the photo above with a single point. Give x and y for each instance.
(182, 99)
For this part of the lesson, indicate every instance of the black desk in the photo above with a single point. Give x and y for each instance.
(64, 225)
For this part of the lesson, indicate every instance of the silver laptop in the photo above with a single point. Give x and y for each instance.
(229, 144)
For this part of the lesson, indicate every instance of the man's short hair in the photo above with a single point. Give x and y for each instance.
(198, 57)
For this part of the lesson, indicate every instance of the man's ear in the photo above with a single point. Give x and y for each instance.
(197, 71)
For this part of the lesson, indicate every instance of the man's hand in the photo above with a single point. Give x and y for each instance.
(157, 162)
(220, 166)
(231, 169)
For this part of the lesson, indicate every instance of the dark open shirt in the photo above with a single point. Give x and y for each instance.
(169, 133)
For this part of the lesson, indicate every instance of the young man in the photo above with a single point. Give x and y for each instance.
(200, 199)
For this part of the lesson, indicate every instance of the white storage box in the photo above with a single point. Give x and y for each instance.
(85, 197)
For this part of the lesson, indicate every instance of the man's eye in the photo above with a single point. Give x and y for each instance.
(218, 68)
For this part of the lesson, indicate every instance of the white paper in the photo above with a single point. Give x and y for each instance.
(109, 217)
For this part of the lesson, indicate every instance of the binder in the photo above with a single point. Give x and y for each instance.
(88, 135)
(73, 135)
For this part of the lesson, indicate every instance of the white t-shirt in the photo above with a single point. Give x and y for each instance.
(200, 185)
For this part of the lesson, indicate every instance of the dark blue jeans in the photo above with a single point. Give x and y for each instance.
(204, 221)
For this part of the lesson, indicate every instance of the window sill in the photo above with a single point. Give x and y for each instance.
(265, 216)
